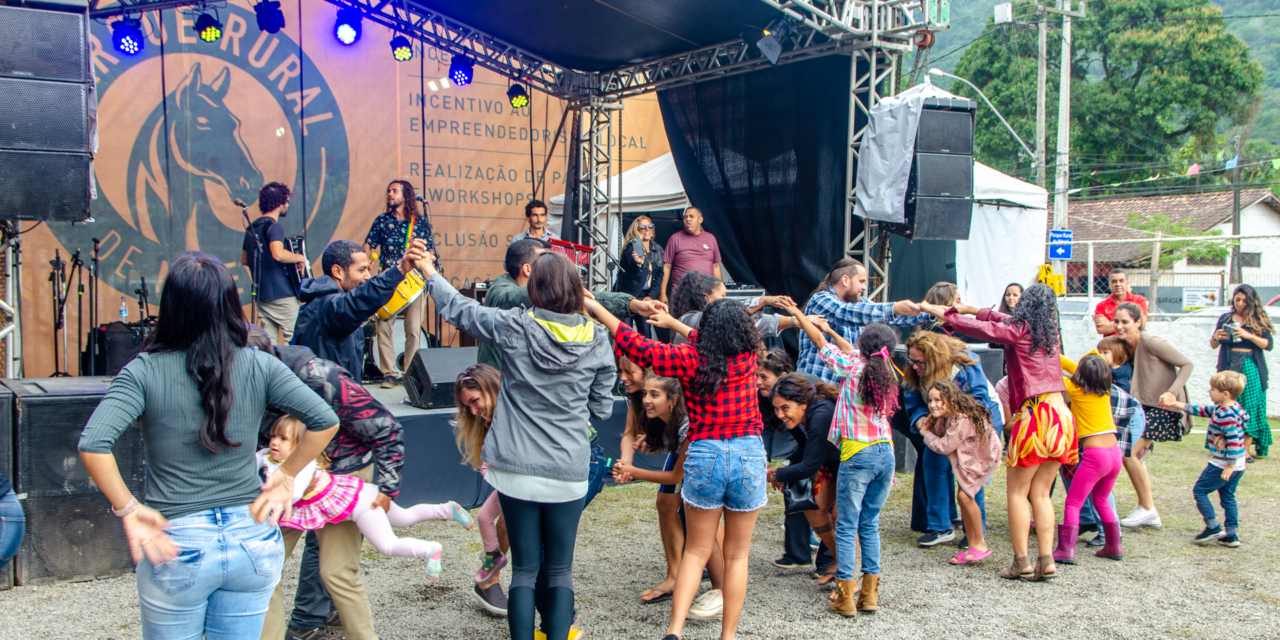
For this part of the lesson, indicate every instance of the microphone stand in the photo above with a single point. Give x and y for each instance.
(144, 311)
(435, 332)
(93, 309)
(76, 265)
(257, 263)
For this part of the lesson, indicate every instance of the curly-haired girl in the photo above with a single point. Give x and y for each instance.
(960, 428)
(868, 398)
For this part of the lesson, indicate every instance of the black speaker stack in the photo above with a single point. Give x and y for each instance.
(45, 98)
(71, 534)
(939, 203)
(428, 382)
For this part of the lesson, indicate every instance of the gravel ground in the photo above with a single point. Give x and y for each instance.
(1164, 588)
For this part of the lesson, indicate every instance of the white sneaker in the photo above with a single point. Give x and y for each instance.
(1141, 518)
(708, 606)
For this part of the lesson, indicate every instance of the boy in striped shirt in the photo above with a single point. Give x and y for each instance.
(1226, 467)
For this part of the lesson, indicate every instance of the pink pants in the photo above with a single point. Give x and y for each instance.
(488, 519)
(1095, 477)
(376, 524)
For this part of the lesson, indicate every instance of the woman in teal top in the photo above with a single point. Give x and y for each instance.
(208, 530)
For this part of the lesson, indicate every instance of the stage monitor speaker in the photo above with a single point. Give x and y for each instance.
(43, 45)
(71, 535)
(36, 115)
(44, 186)
(429, 380)
(941, 175)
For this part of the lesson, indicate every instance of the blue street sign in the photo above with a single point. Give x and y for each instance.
(1060, 244)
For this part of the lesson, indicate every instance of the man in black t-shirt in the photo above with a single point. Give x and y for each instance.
(277, 299)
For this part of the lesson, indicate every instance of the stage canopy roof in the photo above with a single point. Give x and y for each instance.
(599, 35)
(652, 186)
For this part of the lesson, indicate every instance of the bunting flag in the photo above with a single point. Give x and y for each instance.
(1194, 170)
(1233, 163)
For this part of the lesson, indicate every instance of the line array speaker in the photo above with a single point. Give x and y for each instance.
(45, 89)
(429, 380)
(71, 534)
(939, 202)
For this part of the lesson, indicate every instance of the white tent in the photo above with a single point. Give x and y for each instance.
(652, 186)
(1006, 237)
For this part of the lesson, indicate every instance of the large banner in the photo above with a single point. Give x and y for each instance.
(187, 127)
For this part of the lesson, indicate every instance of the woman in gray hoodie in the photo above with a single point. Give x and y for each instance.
(557, 375)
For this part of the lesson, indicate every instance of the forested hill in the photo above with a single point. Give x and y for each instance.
(969, 18)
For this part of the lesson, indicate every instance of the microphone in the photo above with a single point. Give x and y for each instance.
(418, 197)
(240, 203)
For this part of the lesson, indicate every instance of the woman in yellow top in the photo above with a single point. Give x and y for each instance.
(1100, 462)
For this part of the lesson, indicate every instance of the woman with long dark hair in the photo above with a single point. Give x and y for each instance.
(1160, 372)
(1009, 300)
(208, 531)
(697, 290)
(806, 410)
(1240, 337)
(1044, 437)
(725, 463)
(557, 376)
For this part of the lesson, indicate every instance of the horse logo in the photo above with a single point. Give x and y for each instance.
(173, 163)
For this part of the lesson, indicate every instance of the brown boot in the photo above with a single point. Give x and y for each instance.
(867, 595)
(845, 603)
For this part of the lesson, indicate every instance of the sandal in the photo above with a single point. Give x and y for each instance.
(970, 556)
(661, 597)
(1040, 575)
(1020, 567)
(828, 577)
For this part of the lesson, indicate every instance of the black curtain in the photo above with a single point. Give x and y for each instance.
(762, 155)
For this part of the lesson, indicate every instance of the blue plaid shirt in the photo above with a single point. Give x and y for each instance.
(849, 318)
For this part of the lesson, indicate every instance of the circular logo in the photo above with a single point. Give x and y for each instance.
(184, 135)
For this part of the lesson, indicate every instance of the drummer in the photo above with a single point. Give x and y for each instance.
(336, 304)
(385, 244)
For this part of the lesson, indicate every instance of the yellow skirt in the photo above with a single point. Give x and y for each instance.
(1043, 430)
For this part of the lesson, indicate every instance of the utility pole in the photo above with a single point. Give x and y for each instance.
(1062, 174)
(1042, 76)
(1236, 276)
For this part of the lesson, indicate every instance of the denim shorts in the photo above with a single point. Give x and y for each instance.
(12, 526)
(725, 473)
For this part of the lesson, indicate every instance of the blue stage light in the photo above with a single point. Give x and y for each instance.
(347, 29)
(127, 36)
(461, 70)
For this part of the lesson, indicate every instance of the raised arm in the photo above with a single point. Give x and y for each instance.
(810, 329)
(483, 323)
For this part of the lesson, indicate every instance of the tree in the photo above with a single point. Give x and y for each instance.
(1148, 77)
(1173, 250)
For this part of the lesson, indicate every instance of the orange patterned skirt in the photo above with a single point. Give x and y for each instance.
(1044, 430)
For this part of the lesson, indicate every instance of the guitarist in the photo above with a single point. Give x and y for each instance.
(277, 298)
(387, 239)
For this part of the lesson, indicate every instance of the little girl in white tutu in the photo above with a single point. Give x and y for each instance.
(321, 498)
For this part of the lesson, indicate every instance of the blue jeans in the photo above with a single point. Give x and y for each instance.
(940, 493)
(1209, 482)
(862, 488)
(12, 526)
(220, 584)
(725, 473)
(595, 477)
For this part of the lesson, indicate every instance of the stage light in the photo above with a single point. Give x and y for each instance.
(461, 70)
(127, 36)
(401, 50)
(270, 17)
(518, 97)
(347, 29)
(775, 36)
(208, 28)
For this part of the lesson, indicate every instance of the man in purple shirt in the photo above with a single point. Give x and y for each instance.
(689, 250)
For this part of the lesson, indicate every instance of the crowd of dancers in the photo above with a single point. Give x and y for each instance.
(208, 387)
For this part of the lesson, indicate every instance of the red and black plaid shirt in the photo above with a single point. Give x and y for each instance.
(734, 412)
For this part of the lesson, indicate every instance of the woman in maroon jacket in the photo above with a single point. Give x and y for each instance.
(1044, 434)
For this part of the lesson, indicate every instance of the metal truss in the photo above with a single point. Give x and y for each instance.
(873, 76)
(595, 164)
(140, 7)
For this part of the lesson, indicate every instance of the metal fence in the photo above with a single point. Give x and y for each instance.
(1194, 273)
